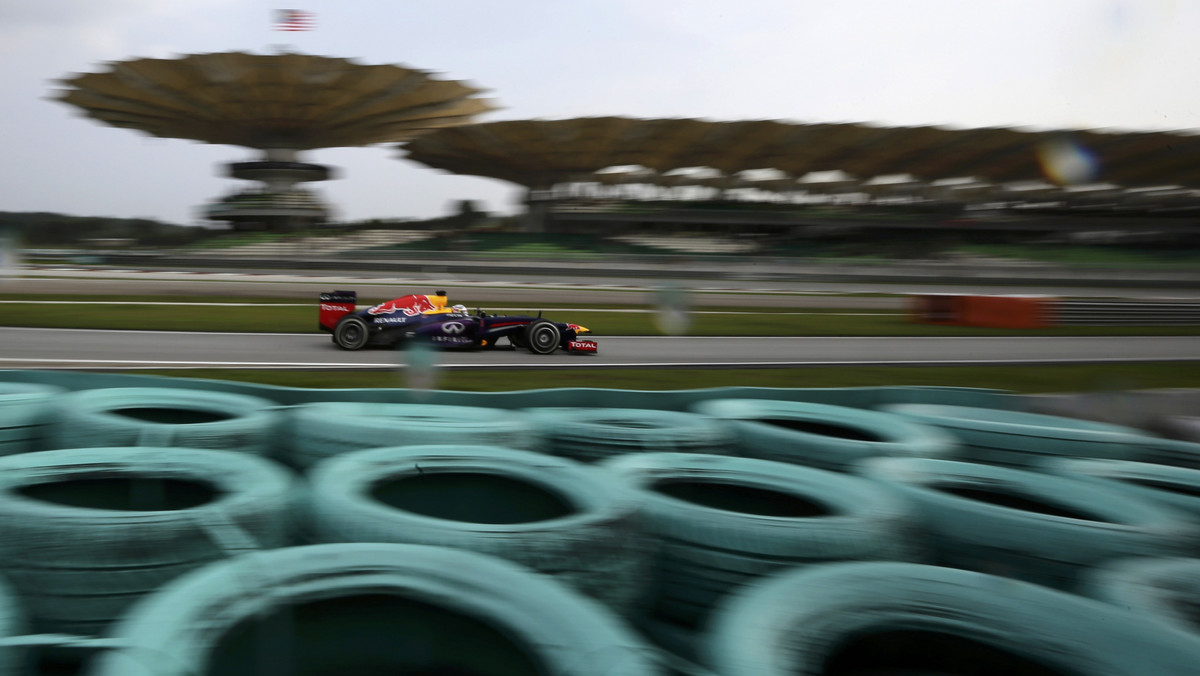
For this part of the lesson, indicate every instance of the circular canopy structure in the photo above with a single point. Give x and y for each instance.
(271, 101)
(541, 153)
(281, 104)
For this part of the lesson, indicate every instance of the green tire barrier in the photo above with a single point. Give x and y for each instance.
(723, 522)
(823, 436)
(1018, 439)
(1038, 527)
(592, 434)
(550, 514)
(327, 429)
(13, 659)
(677, 400)
(85, 532)
(371, 608)
(1165, 589)
(24, 414)
(1173, 452)
(680, 645)
(1175, 487)
(163, 416)
(898, 618)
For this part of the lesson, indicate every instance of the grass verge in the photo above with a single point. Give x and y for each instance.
(176, 315)
(1024, 379)
(134, 314)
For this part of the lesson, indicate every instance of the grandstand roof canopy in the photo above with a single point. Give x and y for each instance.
(541, 153)
(265, 101)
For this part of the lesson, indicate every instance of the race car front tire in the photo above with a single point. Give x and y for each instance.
(542, 337)
(351, 333)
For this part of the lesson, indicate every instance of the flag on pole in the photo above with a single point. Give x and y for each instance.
(293, 20)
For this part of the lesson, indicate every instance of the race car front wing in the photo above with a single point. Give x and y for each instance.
(581, 346)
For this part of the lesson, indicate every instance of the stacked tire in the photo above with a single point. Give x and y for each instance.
(823, 436)
(1030, 525)
(721, 523)
(1166, 589)
(593, 434)
(371, 608)
(1021, 440)
(551, 514)
(1173, 487)
(897, 618)
(85, 532)
(166, 417)
(24, 415)
(328, 429)
(13, 660)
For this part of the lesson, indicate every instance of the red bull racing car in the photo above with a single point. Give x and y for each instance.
(429, 320)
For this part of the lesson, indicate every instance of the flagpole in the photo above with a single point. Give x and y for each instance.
(289, 20)
(273, 28)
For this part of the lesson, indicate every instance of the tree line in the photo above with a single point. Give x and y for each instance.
(35, 229)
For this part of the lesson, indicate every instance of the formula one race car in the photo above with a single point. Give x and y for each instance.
(428, 319)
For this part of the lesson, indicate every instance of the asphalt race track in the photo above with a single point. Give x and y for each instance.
(68, 348)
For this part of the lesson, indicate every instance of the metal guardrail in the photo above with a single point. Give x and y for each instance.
(1124, 313)
(708, 266)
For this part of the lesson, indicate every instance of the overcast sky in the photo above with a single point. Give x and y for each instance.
(1129, 64)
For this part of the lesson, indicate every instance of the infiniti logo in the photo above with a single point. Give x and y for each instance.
(452, 327)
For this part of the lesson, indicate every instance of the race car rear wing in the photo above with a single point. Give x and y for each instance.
(334, 306)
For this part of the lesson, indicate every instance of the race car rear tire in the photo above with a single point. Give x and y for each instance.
(542, 337)
(351, 333)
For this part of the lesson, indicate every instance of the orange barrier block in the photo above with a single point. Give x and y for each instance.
(1007, 312)
(936, 308)
(1002, 312)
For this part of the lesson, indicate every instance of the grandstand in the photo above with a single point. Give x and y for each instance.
(622, 176)
(618, 176)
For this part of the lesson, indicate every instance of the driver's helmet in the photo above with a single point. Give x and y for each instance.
(459, 309)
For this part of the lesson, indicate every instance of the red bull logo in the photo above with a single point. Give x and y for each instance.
(410, 306)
